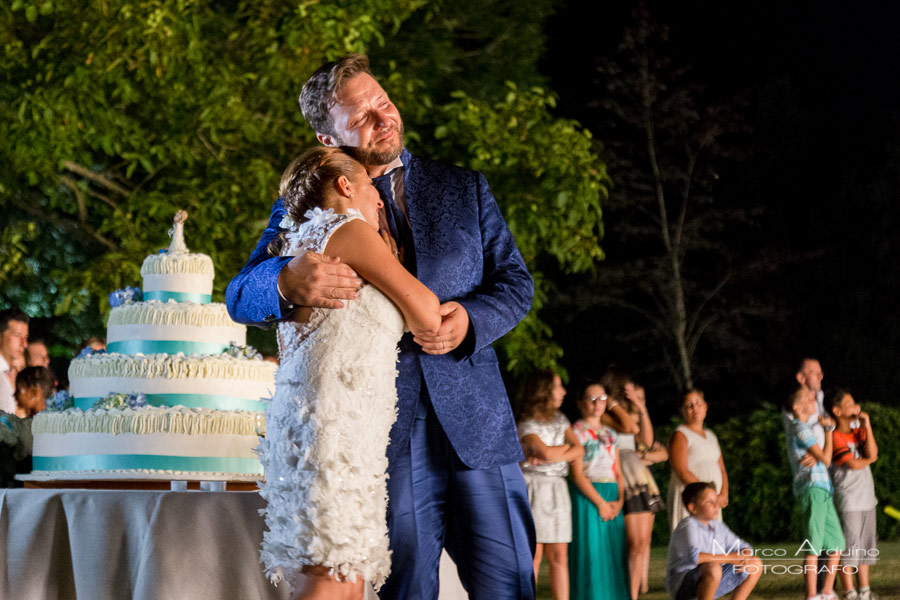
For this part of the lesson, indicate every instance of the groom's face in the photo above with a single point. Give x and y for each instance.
(365, 118)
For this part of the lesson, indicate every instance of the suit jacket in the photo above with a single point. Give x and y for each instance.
(464, 252)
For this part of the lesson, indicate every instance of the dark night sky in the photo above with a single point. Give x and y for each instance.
(822, 80)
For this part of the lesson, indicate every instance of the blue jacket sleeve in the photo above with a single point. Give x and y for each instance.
(505, 294)
(252, 296)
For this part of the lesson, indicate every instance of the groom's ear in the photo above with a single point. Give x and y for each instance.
(326, 140)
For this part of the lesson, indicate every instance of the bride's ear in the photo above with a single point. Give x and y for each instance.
(344, 186)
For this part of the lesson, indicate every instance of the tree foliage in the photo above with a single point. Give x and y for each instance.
(119, 113)
(549, 182)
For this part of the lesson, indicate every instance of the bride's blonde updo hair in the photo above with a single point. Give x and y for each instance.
(306, 182)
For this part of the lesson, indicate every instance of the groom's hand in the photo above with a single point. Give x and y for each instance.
(316, 280)
(452, 332)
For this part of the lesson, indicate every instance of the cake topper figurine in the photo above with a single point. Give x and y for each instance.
(177, 234)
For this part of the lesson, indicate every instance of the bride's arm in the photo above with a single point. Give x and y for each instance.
(360, 246)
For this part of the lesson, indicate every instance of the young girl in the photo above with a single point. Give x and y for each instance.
(597, 562)
(627, 414)
(33, 386)
(695, 456)
(335, 399)
(549, 446)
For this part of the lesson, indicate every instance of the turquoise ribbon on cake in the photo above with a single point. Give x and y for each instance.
(178, 296)
(165, 347)
(115, 462)
(212, 401)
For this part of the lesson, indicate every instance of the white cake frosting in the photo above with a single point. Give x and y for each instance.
(152, 439)
(204, 407)
(199, 326)
(188, 273)
(219, 381)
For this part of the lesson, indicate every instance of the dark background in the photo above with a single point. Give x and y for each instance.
(821, 84)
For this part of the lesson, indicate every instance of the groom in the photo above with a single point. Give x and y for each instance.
(454, 480)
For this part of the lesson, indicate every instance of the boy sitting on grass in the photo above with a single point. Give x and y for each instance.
(706, 560)
(854, 491)
(813, 489)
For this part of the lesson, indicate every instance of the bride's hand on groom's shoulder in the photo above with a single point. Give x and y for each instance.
(453, 330)
(316, 280)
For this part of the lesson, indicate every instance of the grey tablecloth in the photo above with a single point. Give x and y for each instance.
(141, 545)
(146, 545)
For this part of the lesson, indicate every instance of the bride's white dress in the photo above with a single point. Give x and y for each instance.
(327, 430)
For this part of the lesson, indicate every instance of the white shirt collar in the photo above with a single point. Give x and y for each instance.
(393, 165)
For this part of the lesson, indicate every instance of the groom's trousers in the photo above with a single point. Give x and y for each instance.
(481, 516)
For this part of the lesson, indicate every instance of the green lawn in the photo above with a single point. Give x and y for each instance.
(885, 577)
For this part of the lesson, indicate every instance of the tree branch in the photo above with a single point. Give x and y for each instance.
(685, 196)
(79, 198)
(695, 337)
(96, 178)
(208, 145)
(73, 185)
(82, 230)
(695, 314)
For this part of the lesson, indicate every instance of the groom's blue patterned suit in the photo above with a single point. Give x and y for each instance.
(454, 448)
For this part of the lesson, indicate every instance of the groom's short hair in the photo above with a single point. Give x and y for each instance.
(319, 93)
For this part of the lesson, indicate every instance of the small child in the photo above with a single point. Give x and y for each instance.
(854, 449)
(33, 386)
(706, 559)
(813, 489)
(549, 445)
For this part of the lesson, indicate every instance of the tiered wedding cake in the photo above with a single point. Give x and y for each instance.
(177, 393)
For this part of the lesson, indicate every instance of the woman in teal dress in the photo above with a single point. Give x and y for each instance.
(598, 564)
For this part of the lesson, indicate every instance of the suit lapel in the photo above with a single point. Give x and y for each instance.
(414, 208)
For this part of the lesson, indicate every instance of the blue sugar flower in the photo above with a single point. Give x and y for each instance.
(61, 400)
(127, 295)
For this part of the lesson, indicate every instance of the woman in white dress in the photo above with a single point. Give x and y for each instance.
(695, 455)
(328, 423)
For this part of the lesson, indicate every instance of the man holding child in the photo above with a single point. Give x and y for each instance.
(454, 479)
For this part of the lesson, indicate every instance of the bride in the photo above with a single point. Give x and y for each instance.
(335, 398)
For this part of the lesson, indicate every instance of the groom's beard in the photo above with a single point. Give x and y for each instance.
(370, 157)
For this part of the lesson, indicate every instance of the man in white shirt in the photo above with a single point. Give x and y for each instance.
(13, 340)
(810, 376)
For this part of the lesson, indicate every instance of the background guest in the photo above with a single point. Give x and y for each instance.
(598, 567)
(813, 489)
(36, 354)
(809, 375)
(636, 452)
(549, 446)
(706, 560)
(853, 450)
(13, 339)
(695, 455)
(33, 386)
(94, 343)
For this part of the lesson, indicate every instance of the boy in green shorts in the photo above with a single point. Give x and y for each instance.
(812, 487)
